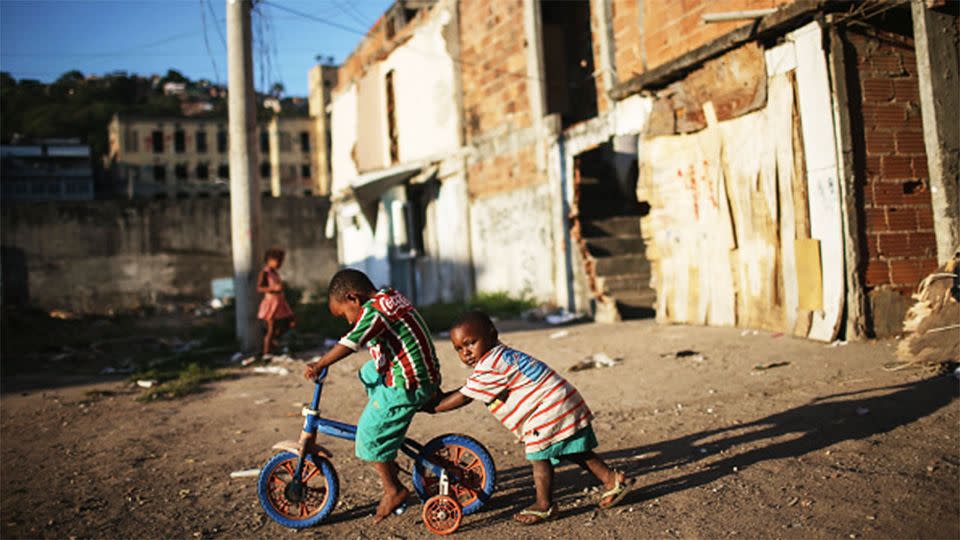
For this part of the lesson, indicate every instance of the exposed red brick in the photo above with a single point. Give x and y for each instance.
(877, 273)
(896, 168)
(924, 217)
(906, 89)
(878, 90)
(887, 64)
(920, 166)
(890, 115)
(876, 219)
(880, 142)
(911, 271)
(873, 165)
(901, 219)
(923, 244)
(894, 245)
(910, 142)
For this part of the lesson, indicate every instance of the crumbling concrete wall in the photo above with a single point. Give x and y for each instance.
(115, 255)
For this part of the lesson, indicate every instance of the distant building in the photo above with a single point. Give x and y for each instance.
(168, 157)
(322, 80)
(50, 170)
(174, 88)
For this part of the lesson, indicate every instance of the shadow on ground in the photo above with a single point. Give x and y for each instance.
(821, 423)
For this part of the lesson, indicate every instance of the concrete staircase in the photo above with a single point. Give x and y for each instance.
(614, 254)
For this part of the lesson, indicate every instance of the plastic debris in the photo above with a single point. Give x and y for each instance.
(216, 303)
(247, 473)
(262, 401)
(837, 343)
(559, 334)
(272, 370)
(598, 360)
(247, 361)
(237, 357)
(147, 383)
(561, 317)
(862, 411)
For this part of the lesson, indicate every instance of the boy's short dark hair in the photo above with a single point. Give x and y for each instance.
(477, 317)
(273, 253)
(348, 281)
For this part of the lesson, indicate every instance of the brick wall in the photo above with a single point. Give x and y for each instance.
(898, 229)
(503, 172)
(670, 29)
(493, 66)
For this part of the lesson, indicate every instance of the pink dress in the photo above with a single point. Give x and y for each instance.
(274, 306)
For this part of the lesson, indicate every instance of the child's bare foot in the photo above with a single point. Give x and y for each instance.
(615, 490)
(390, 502)
(537, 513)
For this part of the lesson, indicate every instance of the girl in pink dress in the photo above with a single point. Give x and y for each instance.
(274, 311)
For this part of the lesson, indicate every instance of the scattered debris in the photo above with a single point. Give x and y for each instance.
(559, 334)
(598, 360)
(561, 317)
(272, 370)
(862, 411)
(771, 365)
(931, 323)
(247, 473)
(247, 361)
(776, 335)
(686, 353)
(62, 314)
(263, 401)
(237, 357)
(837, 343)
(147, 383)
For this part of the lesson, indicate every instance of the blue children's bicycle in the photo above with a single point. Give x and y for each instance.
(453, 474)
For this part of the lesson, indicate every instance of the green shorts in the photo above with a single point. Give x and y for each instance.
(582, 441)
(383, 424)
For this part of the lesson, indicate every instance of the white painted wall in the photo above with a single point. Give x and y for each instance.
(425, 91)
(512, 243)
(343, 120)
(361, 246)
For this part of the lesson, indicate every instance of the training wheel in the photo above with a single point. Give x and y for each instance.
(442, 514)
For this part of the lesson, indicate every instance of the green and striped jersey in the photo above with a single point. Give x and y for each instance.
(398, 339)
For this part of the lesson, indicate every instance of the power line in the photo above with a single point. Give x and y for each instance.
(206, 42)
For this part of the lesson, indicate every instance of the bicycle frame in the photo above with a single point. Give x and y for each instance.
(314, 424)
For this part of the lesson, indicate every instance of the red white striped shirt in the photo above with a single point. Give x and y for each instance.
(528, 397)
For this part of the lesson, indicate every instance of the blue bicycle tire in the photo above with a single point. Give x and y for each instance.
(474, 446)
(329, 476)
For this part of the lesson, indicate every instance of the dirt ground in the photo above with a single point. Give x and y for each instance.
(826, 445)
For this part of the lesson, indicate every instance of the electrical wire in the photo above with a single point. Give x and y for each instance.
(206, 42)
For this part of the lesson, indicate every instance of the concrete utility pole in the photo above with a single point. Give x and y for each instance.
(938, 69)
(244, 194)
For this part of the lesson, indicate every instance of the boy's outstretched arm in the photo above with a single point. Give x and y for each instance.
(450, 401)
(334, 355)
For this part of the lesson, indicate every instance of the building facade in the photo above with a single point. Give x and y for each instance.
(769, 164)
(169, 157)
(55, 170)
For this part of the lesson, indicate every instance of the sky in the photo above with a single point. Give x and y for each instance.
(42, 39)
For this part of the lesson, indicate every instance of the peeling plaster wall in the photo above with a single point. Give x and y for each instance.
(361, 245)
(513, 242)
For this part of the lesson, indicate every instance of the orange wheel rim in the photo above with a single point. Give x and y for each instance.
(316, 490)
(442, 515)
(468, 467)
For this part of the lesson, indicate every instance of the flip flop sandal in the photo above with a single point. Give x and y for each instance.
(539, 515)
(618, 492)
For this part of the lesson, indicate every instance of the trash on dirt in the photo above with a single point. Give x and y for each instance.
(776, 335)
(246, 473)
(216, 303)
(262, 401)
(248, 360)
(862, 411)
(598, 360)
(147, 383)
(793, 501)
(559, 334)
(561, 317)
(686, 353)
(836, 343)
(745, 333)
(237, 357)
(62, 314)
(771, 365)
(272, 370)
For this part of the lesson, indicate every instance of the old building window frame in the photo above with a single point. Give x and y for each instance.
(156, 141)
(179, 140)
(201, 141)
